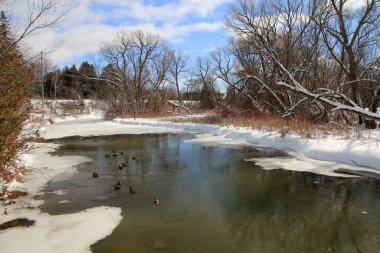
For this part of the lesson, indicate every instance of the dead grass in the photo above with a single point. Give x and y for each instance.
(165, 111)
(143, 114)
(266, 122)
(17, 194)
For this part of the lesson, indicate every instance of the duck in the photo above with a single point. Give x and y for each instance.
(118, 183)
(94, 174)
(120, 167)
(133, 158)
(117, 187)
(121, 153)
(156, 201)
(131, 190)
(124, 164)
(108, 156)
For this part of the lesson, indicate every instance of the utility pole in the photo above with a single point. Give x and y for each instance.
(42, 82)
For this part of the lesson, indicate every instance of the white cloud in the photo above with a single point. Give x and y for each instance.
(87, 39)
(174, 32)
(80, 41)
(356, 4)
(174, 10)
(90, 23)
(81, 13)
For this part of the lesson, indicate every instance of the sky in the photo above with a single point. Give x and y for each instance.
(193, 26)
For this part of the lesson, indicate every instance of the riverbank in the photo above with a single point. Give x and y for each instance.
(360, 148)
(51, 233)
(332, 156)
(327, 155)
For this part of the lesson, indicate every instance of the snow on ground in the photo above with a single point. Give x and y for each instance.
(74, 232)
(60, 233)
(306, 153)
(359, 153)
(96, 127)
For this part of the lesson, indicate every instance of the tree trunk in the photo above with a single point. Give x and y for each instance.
(371, 124)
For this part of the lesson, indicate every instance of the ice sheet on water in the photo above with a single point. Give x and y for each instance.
(210, 140)
(298, 162)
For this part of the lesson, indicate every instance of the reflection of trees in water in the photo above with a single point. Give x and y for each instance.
(282, 211)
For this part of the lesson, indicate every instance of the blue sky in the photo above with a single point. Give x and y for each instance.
(194, 26)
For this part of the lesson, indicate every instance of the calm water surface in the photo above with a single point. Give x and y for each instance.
(211, 200)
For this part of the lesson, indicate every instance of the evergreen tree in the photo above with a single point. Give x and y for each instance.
(69, 81)
(88, 83)
(51, 81)
(6, 39)
(206, 97)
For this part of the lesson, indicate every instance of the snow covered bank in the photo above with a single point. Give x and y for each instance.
(76, 232)
(97, 127)
(351, 154)
(306, 154)
(61, 233)
(53, 233)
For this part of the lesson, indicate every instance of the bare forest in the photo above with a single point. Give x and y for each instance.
(314, 58)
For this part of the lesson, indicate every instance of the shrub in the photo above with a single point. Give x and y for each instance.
(15, 77)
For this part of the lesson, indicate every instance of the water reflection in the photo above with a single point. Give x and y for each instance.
(302, 212)
(213, 201)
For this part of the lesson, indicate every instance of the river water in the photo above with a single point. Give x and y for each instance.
(211, 200)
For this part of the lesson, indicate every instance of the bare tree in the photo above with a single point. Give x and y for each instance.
(40, 15)
(44, 65)
(138, 65)
(283, 47)
(204, 75)
(191, 92)
(178, 69)
(350, 34)
(266, 31)
(226, 67)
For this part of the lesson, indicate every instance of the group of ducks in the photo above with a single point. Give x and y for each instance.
(117, 185)
(114, 154)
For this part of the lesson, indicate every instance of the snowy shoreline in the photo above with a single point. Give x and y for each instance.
(361, 152)
(52, 233)
(325, 154)
(320, 156)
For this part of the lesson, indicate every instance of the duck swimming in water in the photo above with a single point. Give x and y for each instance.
(156, 201)
(131, 190)
(117, 185)
(94, 174)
